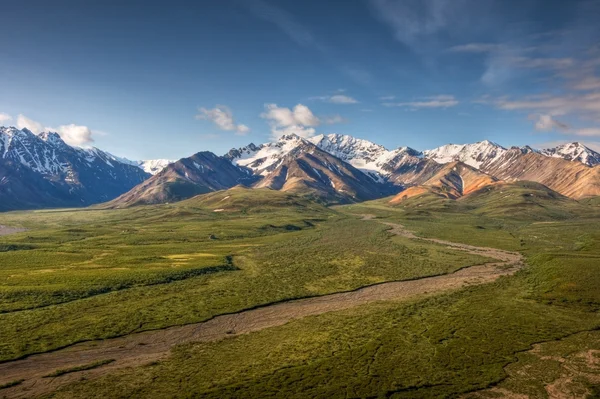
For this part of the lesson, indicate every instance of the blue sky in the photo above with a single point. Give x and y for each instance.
(146, 79)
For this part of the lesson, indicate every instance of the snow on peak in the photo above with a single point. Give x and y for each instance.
(266, 156)
(363, 154)
(475, 155)
(574, 152)
(153, 166)
(347, 147)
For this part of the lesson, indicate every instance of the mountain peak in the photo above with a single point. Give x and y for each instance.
(574, 151)
(52, 138)
(475, 154)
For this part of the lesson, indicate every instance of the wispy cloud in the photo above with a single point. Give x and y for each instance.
(439, 101)
(303, 36)
(222, 117)
(337, 99)
(413, 21)
(476, 48)
(4, 117)
(285, 22)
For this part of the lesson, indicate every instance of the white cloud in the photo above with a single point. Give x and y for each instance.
(546, 123)
(300, 115)
(5, 117)
(439, 101)
(24, 122)
(337, 99)
(342, 99)
(300, 120)
(222, 117)
(75, 135)
(387, 98)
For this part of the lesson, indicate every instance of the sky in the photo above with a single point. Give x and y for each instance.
(149, 79)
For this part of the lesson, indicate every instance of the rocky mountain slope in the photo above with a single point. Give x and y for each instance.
(574, 152)
(476, 155)
(43, 171)
(306, 169)
(569, 178)
(201, 173)
(453, 180)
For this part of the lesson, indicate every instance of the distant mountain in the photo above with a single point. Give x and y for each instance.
(304, 168)
(201, 173)
(572, 179)
(476, 155)
(43, 171)
(150, 166)
(38, 171)
(574, 152)
(153, 166)
(290, 164)
(373, 159)
(264, 158)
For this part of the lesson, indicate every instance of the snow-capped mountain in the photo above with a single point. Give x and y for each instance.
(43, 171)
(265, 157)
(574, 152)
(153, 166)
(150, 166)
(373, 159)
(56, 174)
(476, 155)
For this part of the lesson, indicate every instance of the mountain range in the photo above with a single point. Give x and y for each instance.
(38, 171)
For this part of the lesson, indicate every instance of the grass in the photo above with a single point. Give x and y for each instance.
(133, 275)
(435, 347)
(11, 384)
(438, 347)
(84, 367)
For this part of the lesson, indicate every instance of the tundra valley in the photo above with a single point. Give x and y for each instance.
(321, 235)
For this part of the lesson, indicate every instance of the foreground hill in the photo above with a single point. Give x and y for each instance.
(241, 199)
(453, 180)
(526, 200)
(38, 171)
(512, 201)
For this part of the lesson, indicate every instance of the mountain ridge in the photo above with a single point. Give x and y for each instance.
(43, 171)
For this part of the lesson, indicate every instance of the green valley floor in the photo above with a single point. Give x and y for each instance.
(277, 296)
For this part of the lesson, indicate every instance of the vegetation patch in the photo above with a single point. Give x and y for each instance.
(11, 384)
(84, 367)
